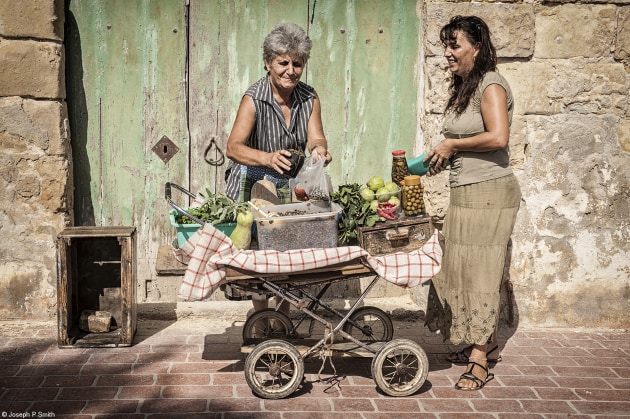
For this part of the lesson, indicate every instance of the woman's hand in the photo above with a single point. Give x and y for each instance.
(438, 157)
(319, 152)
(279, 161)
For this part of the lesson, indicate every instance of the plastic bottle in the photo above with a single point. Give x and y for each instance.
(399, 166)
(418, 167)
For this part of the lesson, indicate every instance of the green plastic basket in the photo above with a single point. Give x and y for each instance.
(186, 231)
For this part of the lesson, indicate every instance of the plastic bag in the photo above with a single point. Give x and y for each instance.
(315, 181)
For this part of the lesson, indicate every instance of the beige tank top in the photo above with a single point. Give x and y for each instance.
(472, 167)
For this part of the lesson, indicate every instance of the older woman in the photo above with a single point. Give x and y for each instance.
(484, 199)
(277, 113)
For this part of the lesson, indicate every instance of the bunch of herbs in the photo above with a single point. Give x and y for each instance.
(215, 209)
(355, 213)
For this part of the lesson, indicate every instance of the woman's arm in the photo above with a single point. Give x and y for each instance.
(494, 112)
(238, 150)
(316, 140)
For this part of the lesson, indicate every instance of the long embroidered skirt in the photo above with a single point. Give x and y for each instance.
(464, 297)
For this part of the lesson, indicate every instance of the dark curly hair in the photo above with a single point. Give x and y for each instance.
(477, 32)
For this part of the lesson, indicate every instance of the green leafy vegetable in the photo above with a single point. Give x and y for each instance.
(216, 209)
(355, 212)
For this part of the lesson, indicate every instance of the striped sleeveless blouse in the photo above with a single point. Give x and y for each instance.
(271, 133)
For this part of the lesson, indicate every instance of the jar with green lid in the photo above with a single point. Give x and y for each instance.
(412, 196)
(399, 166)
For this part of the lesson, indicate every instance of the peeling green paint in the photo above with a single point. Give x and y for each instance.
(127, 70)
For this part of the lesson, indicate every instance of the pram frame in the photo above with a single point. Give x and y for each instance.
(403, 357)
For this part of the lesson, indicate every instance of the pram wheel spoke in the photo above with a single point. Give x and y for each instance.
(274, 369)
(400, 367)
(369, 324)
(267, 324)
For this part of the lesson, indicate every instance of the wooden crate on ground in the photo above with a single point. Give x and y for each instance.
(96, 272)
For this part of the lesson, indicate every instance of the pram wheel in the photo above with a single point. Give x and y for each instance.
(267, 324)
(400, 367)
(274, 369)
(370, 324)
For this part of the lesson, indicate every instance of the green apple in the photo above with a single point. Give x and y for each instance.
(394, 200)
(391, 186)
(383, 194)
(375, 183)
(367, 194)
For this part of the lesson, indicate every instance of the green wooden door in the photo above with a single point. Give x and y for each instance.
(225, 59)
(141, 70)
(126, 90)
(363, 66)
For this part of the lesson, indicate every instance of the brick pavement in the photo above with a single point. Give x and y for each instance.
(193, 367)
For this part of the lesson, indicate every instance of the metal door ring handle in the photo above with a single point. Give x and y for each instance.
(221, 157)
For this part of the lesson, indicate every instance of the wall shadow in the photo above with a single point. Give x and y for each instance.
(83, 210)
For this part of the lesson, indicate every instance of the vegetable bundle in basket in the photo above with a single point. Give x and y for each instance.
(215, 209)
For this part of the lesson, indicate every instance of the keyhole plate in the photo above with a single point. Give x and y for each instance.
(165, 149)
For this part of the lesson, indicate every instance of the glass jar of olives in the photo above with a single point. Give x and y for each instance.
(399, 166)
(412, 196)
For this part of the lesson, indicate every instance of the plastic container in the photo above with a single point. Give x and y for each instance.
(186, 231)
(399, 166)
(420, 168)
(417, 166)
(315, 226)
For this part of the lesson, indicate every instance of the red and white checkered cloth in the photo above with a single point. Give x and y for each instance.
(209, 251)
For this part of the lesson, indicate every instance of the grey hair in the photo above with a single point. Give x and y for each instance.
(287, 38)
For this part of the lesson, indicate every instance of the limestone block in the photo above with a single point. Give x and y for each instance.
(27, 286)
(42, 19)
(437, 81)
(95, 321)
(573, 225)
(562, 86)
(511, 25)
(34, 126)
(436, 188)
(575, 30)
(545, 87)
(32, 69)
(623, 132)
(622, 43)
(519, 147)
(575, 163)
(44, 183)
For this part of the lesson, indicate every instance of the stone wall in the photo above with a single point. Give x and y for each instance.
(35, 173)
(567, 65)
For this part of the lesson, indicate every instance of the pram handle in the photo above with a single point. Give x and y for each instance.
(167, 196)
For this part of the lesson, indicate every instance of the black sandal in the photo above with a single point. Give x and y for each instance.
(470, 376)
(460, 357)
